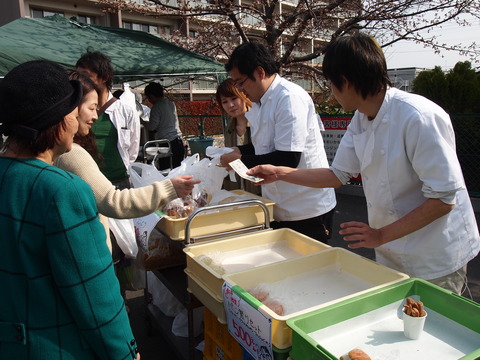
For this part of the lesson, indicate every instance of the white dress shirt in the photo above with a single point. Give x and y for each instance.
(127, 123)
(285, 120)
(406, 154)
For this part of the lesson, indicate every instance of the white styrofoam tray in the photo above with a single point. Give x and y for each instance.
(380, 334)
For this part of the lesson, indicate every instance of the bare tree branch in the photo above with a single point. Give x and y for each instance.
(298, 31)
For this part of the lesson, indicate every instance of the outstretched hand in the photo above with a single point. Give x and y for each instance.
(267, 172)
(226, 159)
(184, 184)
(360, 235)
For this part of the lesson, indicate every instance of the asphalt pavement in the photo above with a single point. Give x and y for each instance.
(353, 208)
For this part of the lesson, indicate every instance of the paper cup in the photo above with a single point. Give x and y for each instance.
(413, 326)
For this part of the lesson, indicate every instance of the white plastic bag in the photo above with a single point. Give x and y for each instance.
(124, 233)
(180, 323)
(217, 152)
(213, 151)
(162, 297)
(144, 174)
(205, 170)
(184, 167)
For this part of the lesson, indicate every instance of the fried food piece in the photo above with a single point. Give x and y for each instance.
(260, 293)
(355, 354)
(275, 306)
(413, 308)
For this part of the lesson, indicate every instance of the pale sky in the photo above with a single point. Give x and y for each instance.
(408, 54)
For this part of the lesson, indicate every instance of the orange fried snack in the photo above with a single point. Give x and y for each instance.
(413, 308)
(355, 354)
(275, 306)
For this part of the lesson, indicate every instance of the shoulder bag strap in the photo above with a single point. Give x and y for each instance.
(106, 105)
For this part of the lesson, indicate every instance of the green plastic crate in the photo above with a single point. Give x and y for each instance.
(365, 322)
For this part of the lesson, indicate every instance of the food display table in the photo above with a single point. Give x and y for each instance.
(373, 322)
(348, 301)
(208, 223)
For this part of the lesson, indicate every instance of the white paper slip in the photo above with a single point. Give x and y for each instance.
(241, 170)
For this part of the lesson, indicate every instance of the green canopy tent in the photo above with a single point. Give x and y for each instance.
(134, 54)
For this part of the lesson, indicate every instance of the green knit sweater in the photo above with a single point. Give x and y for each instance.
(60, 298)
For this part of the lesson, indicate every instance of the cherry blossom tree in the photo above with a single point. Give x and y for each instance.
(297, 31)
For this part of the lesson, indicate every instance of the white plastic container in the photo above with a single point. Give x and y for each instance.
(311, 282)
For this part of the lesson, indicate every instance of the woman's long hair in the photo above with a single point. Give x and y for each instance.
(88, 142)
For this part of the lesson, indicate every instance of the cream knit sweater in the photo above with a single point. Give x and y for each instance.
(120, 204)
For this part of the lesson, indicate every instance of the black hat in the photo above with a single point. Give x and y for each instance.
(35, 96)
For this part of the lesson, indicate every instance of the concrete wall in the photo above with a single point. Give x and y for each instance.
(10, 10)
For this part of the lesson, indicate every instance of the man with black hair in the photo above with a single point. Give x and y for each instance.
(163, 121)
(421, 220)
(284, 131)
(117, 129)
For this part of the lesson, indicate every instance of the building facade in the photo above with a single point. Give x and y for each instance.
(93, 12)
(402, 78)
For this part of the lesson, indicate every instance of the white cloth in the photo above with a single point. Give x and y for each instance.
(405, 155)
(128, 97)
(126, 121)
(285, 120)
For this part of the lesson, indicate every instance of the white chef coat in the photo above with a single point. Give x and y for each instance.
(127, 123)
(285, 120)
(405, 155)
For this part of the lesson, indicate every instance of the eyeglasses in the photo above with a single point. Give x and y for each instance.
(239, 83)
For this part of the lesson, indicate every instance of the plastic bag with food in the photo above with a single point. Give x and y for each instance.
(162, 252)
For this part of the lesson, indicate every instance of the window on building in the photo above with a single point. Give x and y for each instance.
(192, 34)
(204, 84)
(40, 13)
(152, 29)
(86, 19)
(165, 30)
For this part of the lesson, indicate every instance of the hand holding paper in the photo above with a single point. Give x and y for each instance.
(241, 170)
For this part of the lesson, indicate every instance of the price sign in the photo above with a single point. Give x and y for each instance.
(247, 324)
(335, 128)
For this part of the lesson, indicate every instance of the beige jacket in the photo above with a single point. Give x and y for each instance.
(230, 137)
(120, 204)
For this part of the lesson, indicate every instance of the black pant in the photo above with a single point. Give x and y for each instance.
(319, 228)
(178, 151)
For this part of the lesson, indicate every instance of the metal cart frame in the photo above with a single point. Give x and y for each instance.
(175, 279)
(162, 143)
